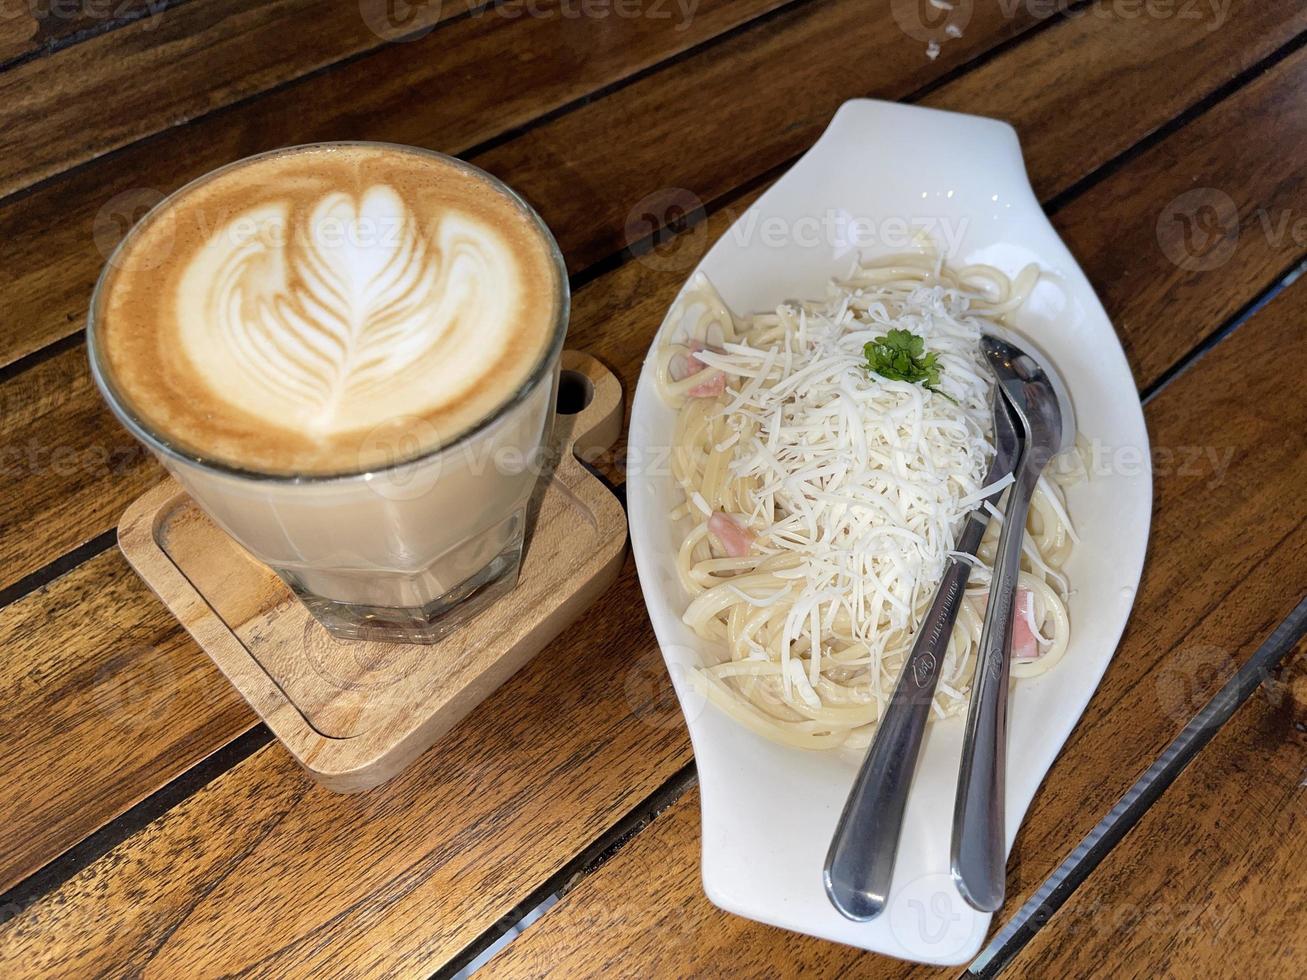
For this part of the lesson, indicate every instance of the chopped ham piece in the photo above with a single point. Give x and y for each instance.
(1025, 645)
(711, 388)
(734, 537)
(716, 382)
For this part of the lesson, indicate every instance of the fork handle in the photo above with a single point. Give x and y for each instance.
(860, 863)
(978, 855)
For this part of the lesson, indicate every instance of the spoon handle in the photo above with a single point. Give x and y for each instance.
(860, 862)
(978, 853)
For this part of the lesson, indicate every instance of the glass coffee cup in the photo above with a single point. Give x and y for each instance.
(348, 355)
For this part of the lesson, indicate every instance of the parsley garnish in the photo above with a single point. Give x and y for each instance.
(901, 355)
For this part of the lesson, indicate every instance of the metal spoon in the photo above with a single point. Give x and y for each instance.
(860, 863)
(1048, 425)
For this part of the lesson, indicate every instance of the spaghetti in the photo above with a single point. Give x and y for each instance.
(822, 500)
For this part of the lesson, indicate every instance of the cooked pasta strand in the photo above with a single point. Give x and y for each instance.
(822, 500)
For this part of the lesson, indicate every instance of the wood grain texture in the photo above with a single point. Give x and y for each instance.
(655, 922)
(185, 61)
(353, 713)
(48, 272)
(54, 412)
(68, 467)
(103, 698)
(51, 413)
(19, 31)
(450, 90)
(47, 266)
(72, 468)
(1211, 882)
(566, 167)
(1189, 232)
(387, 882)
(691, 128)
(1161, 309)
(60, 510)
(1224, 568)
(666, 927)
(29, 28)
(264, 870)
(571, 175)
(1155, 68)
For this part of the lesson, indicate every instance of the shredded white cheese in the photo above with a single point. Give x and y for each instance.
(862, 476)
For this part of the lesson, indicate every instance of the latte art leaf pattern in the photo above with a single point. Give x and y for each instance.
(324, 310)
(323, 319)
(352, 314)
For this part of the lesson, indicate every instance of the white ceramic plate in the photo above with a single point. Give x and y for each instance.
(769, 811)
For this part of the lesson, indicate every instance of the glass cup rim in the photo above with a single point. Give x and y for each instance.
(159, 443)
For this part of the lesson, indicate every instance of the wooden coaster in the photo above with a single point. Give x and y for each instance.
(355, 713)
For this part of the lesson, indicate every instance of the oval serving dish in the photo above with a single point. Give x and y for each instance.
(769, 811)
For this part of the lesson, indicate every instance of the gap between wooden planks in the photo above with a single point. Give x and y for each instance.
(1033, 85)
(261, 869)
(456, 89)
(1166, 669)
(66, 487)
(267, 759)
(635, 296)
(568, 167)
(65, 495)
(1211, 882)
(182, 61)
(30, 30)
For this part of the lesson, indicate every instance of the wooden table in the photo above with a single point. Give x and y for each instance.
(148, 823)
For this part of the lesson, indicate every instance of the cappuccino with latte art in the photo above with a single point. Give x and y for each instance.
(347, 354)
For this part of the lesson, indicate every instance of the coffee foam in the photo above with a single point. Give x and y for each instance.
(327, 309)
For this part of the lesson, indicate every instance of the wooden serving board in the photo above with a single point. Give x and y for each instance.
(355, 713)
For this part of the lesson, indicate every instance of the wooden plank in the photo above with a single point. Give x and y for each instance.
(18, 34)
(1242, 212)
(614, 317)
(1225, 567)
(647, 905)
(102, 698)
(568, 168)
(61, 505)
(68, 466)
(571, 174)
(537, 772)
(51, 413)
(182, 63)
(1162, 309)
(76, 468)
(1156, 67)
(667, 927)
(264, 871)
(29, 28)
(61, 510)
(1211, 882)
(652, 925)
(456, 88)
